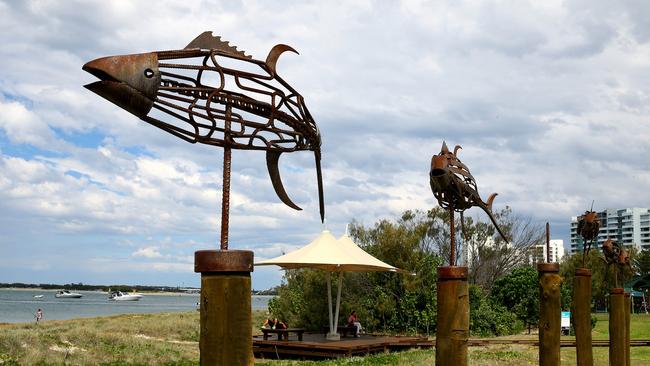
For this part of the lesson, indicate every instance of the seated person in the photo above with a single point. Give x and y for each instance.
(353, 321)
(274, 324)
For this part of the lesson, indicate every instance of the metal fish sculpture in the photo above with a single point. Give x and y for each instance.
(211, 93)
(454, 186)
(588, 227)
(617, 255)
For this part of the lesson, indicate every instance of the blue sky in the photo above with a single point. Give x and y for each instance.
(549, 100)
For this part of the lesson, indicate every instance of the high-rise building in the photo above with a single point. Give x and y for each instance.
(628, 226)
(538, 252)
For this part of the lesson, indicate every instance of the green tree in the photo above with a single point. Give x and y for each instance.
(486, 318)
(641, 263)
(519, 291)
(600, 282)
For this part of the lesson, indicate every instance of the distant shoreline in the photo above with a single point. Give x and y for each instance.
(124, 288)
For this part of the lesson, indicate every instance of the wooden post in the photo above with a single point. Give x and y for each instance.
(226, 321)
(453, 316)
(628, 305)
(582, 316)
(550, 313)
(616, 327)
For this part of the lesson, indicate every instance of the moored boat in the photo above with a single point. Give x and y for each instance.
(65, 294)
(121, 296)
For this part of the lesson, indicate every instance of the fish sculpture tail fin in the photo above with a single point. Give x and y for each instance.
(491, 200)
(487, 207)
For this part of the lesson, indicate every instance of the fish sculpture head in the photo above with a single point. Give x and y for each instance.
(211, 93)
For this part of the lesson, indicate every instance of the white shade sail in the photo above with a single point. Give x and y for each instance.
(329, 254)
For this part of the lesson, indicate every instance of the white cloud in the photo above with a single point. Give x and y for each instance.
(548, 99)
(147, 252)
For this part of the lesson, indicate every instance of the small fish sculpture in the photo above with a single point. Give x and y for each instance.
(212, 93)
(454, 186)
(588, 226)
(617, 255)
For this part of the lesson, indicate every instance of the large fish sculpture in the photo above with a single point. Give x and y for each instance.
(211, 93)
(454, 186)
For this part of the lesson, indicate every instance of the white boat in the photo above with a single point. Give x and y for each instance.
(65, 294)
(121, 296)
(39, 296)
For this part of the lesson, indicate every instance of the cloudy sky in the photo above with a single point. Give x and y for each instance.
(549, 100)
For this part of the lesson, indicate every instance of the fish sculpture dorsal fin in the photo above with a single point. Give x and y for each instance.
(207, 41)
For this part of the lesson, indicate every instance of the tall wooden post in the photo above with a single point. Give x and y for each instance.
(453, 316)
(550, 313)
(226, 320)
(628, 305)
(582, 316)
(617, 327)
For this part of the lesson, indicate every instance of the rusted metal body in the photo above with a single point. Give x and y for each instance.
(453, 316)
(588, 226)
(617, 345)
(455, 189)
(582, 316)
(550, 313)
(211, 93)
(627, 304)
(617, 256)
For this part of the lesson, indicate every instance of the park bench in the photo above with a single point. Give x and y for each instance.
(283, 333)
(343, 330)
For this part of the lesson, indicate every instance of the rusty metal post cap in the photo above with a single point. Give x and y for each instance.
(548, 267)
(616, 291)
(452, 273)
(583, 272)
(207, 261)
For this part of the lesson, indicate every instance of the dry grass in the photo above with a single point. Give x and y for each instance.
(172, 338)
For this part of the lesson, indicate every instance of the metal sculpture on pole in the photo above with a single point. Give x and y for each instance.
(212, 93)
(455, 189)
(550, 311)
(588, 228)
(617, 256)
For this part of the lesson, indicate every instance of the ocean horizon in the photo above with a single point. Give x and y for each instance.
(20, 305)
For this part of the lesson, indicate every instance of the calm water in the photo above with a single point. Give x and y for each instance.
(18, 306)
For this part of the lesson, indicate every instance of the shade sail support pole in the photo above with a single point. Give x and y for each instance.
(338, 302)
(329, 300)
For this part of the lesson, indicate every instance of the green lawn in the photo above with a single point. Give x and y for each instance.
(173, 339)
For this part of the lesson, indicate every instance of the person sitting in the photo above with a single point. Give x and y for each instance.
(274, 324)
(353, 321)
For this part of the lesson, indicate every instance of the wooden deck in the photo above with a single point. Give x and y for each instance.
(315, 346)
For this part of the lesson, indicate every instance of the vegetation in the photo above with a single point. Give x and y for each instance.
(641, 262)
(396, 303)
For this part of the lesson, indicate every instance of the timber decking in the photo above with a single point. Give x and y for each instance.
(314, 346)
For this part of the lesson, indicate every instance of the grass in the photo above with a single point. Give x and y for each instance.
(172, 339)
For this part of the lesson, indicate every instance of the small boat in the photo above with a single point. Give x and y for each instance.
(39, 296)
(65, 294)
(121, 296)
